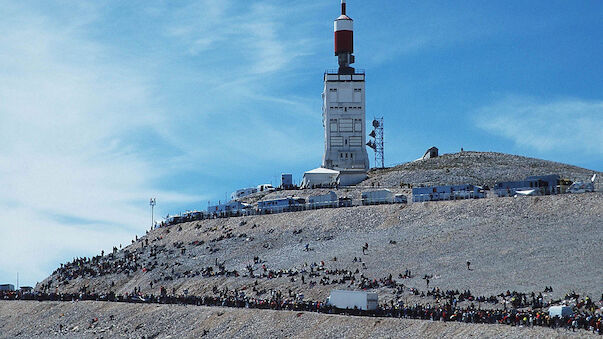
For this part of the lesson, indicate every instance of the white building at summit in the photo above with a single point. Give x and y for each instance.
(343, 116)
(344, 109)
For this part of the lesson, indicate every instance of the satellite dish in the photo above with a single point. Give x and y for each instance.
(371, 145)
(375, 123)
(373, 135)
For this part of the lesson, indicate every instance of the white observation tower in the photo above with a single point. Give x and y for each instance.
(343, 109)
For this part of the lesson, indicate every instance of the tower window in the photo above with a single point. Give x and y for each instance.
(336, 141)
(346, 125)
(355, 141)
(358, 125)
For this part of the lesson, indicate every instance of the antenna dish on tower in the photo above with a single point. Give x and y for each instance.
(377, 143)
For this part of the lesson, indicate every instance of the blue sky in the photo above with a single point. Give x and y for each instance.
(105, 104)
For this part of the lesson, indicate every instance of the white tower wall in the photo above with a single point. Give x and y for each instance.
(344, 122)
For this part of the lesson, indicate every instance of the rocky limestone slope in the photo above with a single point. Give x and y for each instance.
(518, 244)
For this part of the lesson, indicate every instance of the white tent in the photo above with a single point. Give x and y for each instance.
(320, 177)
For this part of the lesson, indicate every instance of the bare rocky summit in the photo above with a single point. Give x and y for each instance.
(477, 168)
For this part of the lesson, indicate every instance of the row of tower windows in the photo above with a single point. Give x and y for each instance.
(345, 108)
(346, 155)
(345, 125)
(338, 141)
(355, 89)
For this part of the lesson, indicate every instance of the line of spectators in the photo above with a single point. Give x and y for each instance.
(581, 320)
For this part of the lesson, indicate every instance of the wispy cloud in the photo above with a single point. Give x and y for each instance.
(241, 56)
(99, 108)
(69, 112)
(88, 132)
(256, 36)
(554, 126)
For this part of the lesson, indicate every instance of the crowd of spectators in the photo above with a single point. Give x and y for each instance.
(582, 319)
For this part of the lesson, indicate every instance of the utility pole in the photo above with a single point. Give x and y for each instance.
(152, 203)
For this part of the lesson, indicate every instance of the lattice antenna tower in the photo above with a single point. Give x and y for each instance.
(379, 152)
(377, 143)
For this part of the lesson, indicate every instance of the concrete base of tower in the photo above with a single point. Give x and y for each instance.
(351, 177)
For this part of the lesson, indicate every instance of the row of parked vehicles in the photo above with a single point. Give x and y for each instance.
(534, 185)
(292, 203)
(235, 208)
(543, 185)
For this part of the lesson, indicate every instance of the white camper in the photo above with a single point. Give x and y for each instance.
(560, 311)
(360, 300)
(322, 201)
(377, 197)
(243, 193)
(265, 188)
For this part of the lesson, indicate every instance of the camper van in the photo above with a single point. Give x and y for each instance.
(351, 300)
(560, 311)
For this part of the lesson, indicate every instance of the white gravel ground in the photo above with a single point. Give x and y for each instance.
(22, 319)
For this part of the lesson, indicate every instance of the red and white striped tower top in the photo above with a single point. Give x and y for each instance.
(344, 32)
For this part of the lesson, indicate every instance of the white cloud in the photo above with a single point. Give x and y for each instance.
(257, 36)
(556, 126)
(37, 244)
(243, 54)
(83, 118)
(68, 113)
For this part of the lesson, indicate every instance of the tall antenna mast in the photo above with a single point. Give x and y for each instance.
(152, 203)
(380, 151)
(377, 144)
